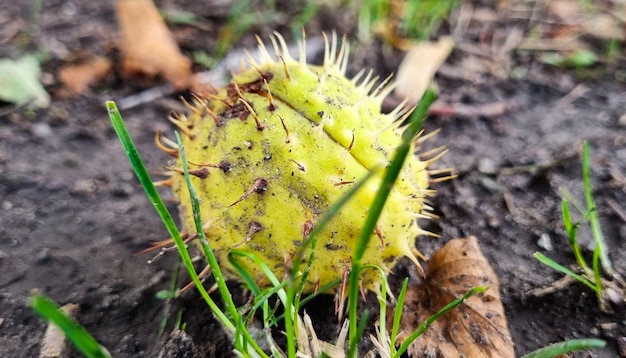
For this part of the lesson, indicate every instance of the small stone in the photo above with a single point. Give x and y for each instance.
(83, 187)
(490, 184)
(54, 344)
(43, 256)
(487, 166)
(545, 242)
(607, 328)
(616, 297)
(42, 130)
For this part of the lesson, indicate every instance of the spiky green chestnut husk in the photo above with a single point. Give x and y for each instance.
(270, 152)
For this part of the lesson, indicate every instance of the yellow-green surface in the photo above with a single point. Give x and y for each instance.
(281, 143)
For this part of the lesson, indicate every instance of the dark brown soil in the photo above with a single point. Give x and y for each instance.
(73, 215)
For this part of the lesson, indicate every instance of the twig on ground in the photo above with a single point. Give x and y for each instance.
(488, 110)
(578, 91)
(618, 209)
(555, 286)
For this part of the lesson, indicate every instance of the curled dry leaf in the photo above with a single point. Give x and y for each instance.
(475, 328)
(148, 47)
(419, 67)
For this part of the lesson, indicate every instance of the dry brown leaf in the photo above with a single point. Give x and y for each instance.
(595, 21)
(148, 48)
(419, 67)
(78, 78)
(567, 11)
(475, 328)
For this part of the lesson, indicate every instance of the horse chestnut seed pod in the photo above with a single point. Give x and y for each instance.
(272, 150)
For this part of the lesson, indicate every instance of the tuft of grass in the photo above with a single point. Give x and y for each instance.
(232, 321)
(591, 274)
(241, 19)
(415, 20)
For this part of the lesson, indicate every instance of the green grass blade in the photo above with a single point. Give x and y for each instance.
(593, 218)
(382, 307)
(415, 125)
(557, 349)
(76, 333)
(352, 349)
(572, 231)
(159, 205)
(397, 316)
(232, 258)
(309, 11)
(242, 336)
(555, 265)
(326, 218)
(293, 294)
(429, 321)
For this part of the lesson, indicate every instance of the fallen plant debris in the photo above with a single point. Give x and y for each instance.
(148, 48)
(19, 82)
(78, 77)
(419, 67)
(475, 328)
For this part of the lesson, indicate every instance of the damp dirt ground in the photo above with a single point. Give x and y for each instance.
(73, 216)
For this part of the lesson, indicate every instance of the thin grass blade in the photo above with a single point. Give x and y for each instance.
(243, 340)
(593, 218)
(415, 125)
(424, 326)
(572, 231)
(555, 265)
(76, 333)
(159, 205)
(397, 316)
(557, 349)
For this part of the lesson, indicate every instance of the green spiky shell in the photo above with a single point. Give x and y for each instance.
(284, 140)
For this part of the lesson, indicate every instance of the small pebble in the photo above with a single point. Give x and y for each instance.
(545, 242)
(487, 166)
(7, 205)
(616, 297)
(43, 256)
(490, 184)
(42, 130)
(83, 187)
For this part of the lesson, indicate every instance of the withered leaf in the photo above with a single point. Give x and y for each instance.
(475, 328)
(77, 78)
(419, 66)
(147, 46)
